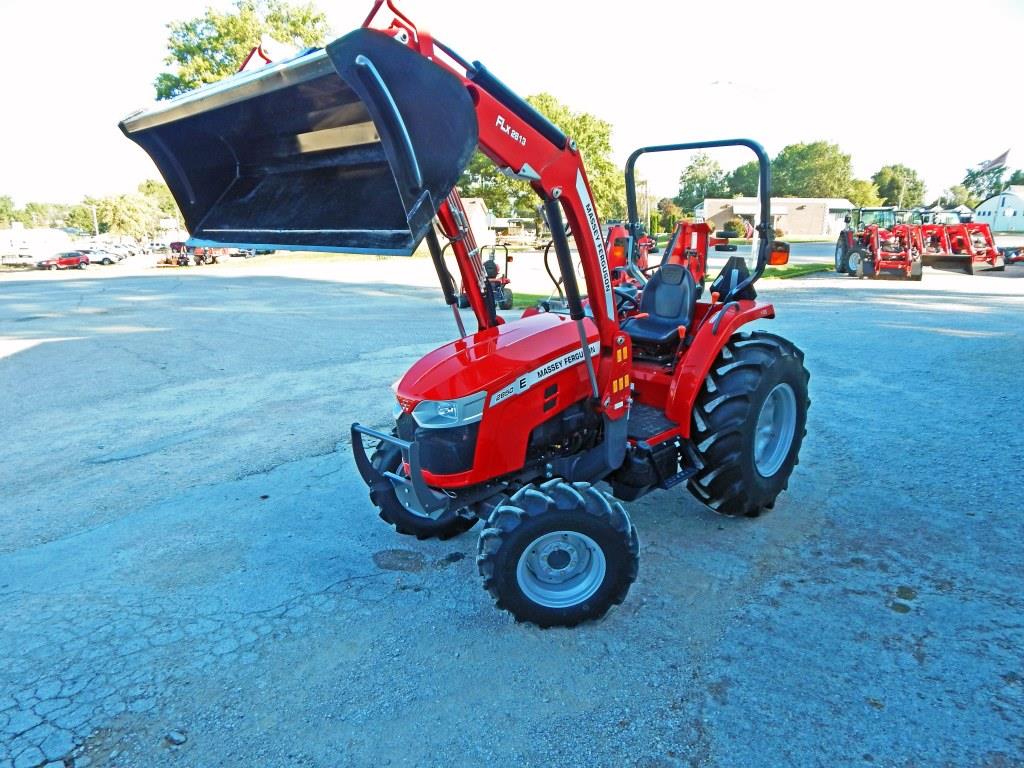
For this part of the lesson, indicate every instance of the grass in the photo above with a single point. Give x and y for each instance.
(795, 270)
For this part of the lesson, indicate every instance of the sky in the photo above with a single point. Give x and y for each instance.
(911, 82)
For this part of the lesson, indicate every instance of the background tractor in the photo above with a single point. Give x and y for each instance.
(539, 426)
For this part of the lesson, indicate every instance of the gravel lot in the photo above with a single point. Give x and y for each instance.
(191, 573)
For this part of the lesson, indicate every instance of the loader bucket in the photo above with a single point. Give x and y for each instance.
(349, 148)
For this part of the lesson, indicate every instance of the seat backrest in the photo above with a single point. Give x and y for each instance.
(670, 295)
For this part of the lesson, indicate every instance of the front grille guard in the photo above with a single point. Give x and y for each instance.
(413, 492)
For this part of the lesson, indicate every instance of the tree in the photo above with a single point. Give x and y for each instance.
(957, 195)
(161, 196)
(1016, 178)
(510, 197)
(670, 213)
(701, 179)
(863, 194)
(743, 181)
(503, 196)
(7, 210)
(818, 169)
(984, 184)
(212, 46)
(899, 185)
(593, 137)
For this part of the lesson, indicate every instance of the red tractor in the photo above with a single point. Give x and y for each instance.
(358, 147)
(497, 280)
(878, 241)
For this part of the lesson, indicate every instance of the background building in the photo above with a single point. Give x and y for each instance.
(1003, 212)
(791, 215)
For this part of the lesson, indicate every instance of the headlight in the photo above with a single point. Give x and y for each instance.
(441, 414)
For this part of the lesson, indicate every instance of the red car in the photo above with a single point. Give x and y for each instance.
(65, 260)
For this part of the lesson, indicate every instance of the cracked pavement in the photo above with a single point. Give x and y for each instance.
(191, 573)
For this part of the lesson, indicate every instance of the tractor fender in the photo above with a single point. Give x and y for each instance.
(708, 340)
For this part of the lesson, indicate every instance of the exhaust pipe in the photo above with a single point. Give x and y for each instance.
(347, 149)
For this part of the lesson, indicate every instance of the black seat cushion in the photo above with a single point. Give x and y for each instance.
(668, 300)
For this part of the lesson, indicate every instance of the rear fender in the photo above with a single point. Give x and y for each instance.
(718, 327)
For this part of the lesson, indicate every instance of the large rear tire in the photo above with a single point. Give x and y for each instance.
(388, 458)
(507, 300)
(841, 267)
(748, 424)
(558, 554)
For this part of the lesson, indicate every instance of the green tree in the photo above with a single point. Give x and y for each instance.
(503, 196)
(131, 215)
(670, 213)
(1016, 178)
(592, 135)
(984, 184)
(212, 46)
(80, 217)
(743, 181)
(863, 194)
(899, 185)
(957, 195)
(818, 169)
(7, 211)
(701, 179)
(161, 196)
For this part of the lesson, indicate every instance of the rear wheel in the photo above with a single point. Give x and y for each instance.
(558, 554)
(506, 299)
(388, 458)
(107, 262)
(841, 257)
(748, 424)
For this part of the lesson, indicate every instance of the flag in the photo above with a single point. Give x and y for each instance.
(999, 162)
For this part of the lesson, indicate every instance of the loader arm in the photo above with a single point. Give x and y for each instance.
(525, 145)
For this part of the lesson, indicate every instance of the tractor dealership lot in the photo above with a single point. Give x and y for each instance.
(191, 573)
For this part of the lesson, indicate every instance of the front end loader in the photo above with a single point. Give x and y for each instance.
(539, 426)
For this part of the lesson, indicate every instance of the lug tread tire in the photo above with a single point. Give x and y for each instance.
(391, 511)
(531, 504)
(724, 417)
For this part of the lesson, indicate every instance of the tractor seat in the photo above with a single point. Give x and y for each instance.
(668, 300)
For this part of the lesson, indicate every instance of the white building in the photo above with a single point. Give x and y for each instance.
(817, 216)
(1003, 212)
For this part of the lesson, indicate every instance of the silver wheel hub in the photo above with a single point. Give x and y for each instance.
(561, 569)
(775, 430)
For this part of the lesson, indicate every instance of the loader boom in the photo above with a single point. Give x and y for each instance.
(524, 144)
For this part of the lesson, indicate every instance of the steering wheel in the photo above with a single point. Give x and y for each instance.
(627, 301)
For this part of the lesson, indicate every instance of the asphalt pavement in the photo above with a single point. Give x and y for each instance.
(191, 573)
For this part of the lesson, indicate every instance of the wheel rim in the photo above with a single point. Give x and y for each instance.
(854, 260)
(561, 569)
(776, 426)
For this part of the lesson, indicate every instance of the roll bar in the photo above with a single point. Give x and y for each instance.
(764, 198)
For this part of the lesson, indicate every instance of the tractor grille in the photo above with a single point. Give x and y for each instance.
(442, 451)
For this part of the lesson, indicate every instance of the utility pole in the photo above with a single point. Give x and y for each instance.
(95, 222)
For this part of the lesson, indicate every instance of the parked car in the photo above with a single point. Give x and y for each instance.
(65, 260)
(99, 256)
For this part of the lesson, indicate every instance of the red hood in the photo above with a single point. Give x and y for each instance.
(488, 360)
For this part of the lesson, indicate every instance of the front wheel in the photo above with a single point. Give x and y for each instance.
(748, 424)
(388, 458)
(855, 262)
(558, 554)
